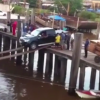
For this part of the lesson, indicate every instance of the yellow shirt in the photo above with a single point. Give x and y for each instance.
(58, 38)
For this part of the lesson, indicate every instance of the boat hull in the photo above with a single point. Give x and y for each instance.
(85, 94)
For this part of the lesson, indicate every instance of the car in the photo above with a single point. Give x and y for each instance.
(2, 13)
(38, 37)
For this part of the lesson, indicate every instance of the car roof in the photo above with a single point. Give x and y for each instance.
(44, 28)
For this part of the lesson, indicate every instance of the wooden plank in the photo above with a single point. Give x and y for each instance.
(18, 54)
(11, 50)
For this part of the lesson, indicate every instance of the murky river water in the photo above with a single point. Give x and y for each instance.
(17, 84)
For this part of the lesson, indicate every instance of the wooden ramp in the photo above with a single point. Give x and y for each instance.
(19, 54)
(44, 23)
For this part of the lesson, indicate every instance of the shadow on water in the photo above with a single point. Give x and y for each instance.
(17, 84)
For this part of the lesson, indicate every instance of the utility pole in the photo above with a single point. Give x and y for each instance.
(8, 12)
(39, 5)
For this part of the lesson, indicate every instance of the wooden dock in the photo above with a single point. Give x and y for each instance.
(89, 61)
(61, 58)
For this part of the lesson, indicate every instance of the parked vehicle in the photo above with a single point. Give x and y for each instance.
(88, 94)
(2, 13)
(38, 37)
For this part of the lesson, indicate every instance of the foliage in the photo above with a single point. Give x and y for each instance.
(88, 15)
(41, 11)
(33, 3)
(19, 10)
(73, 4)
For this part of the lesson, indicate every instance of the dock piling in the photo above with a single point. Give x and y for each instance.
(49, 66)
(63, 70)
(92, 78)
(81, 76)
(41, 60)
(75, 62)
(19, 58)
(57, 68)
(31, 61)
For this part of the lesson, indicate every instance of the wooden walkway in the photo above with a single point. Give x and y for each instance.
(89, 61)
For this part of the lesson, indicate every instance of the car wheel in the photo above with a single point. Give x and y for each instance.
(33, 46)
(4, 14)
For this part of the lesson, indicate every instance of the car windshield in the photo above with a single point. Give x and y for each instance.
(35, 32)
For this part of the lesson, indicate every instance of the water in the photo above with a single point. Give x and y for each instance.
(17, 84)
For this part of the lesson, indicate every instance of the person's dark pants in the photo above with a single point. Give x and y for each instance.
(86, 52)
(68, 45)
(57, 44)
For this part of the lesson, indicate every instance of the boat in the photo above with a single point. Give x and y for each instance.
(89, 94)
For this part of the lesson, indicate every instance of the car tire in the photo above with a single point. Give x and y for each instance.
(4, 14)
(33, 46)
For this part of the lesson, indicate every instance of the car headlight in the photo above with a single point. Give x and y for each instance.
(26, 40)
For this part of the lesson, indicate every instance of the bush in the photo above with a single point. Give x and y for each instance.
(41, 11)
(88, 15)
(19, 10)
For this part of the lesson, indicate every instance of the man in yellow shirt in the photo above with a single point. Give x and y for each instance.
(57, 40)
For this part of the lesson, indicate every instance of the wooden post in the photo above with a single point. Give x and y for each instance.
(75, 62)
(41, 61)
(82, 76)
(31, 61)
(0, 42)
(6, 43)
(49, 66)
(63, 70)
(8, 16)
(19, 58)
(13, 46)
(92, 78)
(99, 80)
(57, 68)
(25, 56)
(33, 17)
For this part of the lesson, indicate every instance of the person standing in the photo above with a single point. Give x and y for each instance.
(57, 40)
(67, 38)
(62, 40)
(86, 48)
(72, 41)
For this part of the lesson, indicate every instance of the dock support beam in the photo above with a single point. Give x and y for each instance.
(57, 68)
(49, 61)
(0, 42)
(75, 63)
(19, 58)
(41, 61)
(82, 77)
(63, 70)
(99, 80)
(6, 43)
(13, 46)
(92, 78)
(31, 61)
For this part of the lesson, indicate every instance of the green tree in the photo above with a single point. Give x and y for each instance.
(73, 5)
(33, 3)
(88, 15)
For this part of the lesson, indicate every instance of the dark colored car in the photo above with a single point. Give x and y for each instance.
(38, 37)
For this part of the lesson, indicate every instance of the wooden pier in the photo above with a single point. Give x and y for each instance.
(11, 44)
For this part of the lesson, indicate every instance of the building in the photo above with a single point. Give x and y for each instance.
(25, 4)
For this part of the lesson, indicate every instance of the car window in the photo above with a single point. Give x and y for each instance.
(35, 32)
(43, 33)
(50, 32)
